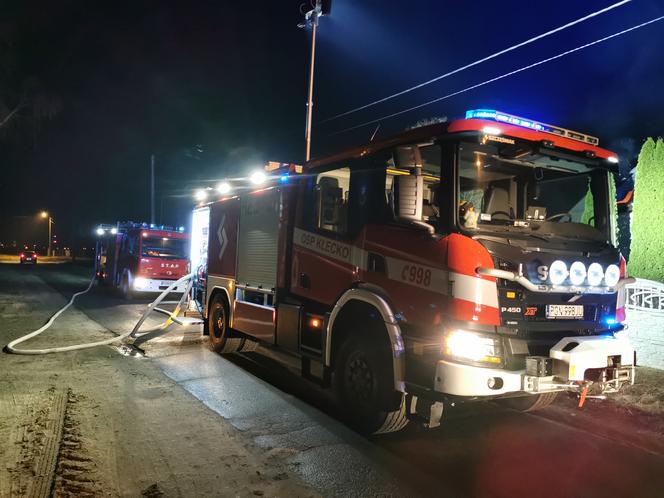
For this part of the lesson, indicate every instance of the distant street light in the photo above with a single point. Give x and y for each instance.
(322, 8)
(44, 214)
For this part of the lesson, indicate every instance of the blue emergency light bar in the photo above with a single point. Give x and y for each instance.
(502, 117)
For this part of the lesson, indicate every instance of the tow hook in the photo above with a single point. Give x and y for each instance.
(583, 396)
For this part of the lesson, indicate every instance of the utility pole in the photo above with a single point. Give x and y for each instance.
(322, 8)
(152, 220)
(45, 214)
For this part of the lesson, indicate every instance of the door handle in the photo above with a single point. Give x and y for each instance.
(305, 281)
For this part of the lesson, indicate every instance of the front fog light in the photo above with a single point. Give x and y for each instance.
(595, 274)
(474, 347)
(577, 273)
(611, 275)
(558, 272)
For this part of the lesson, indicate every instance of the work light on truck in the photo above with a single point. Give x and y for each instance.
(595, 274)
(466, 346)
(577, 273)
(611, 275)
(558, 272)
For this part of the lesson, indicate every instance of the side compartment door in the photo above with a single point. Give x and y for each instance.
(257, 262)
(222, 242)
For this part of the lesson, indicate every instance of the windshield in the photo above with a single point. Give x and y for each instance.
(549, 195)
(164, 247)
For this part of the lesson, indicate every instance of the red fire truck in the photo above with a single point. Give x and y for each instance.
(462, 261)
(141, 258)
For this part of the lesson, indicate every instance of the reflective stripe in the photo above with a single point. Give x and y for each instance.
(474, 289)
(469, 288)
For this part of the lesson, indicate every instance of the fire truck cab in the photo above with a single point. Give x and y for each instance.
(141, 258)
(462, 261)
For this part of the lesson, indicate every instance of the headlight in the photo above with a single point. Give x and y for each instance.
(466, 345)
(577, 273)
(140, 283)
(611, 275)
(557, 272)
(595, 274)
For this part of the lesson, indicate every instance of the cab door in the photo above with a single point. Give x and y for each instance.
(324, 259)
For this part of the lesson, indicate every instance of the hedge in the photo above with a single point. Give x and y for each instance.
(647, 246)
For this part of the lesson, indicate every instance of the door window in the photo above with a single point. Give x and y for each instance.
(331, 194)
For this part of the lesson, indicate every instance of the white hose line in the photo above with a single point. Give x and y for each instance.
(10, 348)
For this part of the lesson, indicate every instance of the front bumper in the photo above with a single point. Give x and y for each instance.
(607, 363)
(157, 285)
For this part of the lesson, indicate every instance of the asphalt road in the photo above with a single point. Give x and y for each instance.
(478, 451)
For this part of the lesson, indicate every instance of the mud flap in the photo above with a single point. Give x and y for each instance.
(424, 410)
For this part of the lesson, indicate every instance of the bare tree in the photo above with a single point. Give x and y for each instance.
(24, 102)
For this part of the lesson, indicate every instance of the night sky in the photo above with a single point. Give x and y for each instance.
(215, 88)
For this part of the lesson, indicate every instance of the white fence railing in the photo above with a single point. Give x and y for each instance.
(645, 295)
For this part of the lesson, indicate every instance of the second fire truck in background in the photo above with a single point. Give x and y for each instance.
(141, 258)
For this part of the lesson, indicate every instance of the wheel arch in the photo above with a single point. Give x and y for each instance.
(367, 299)
(218, 290)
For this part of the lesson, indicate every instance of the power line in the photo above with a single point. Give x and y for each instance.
(521, 69)
(479, 61)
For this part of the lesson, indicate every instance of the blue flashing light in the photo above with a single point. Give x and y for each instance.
(284, 179)
(152, 225)
(610, 321)
(181, 229)
(481, 114)
(502, 117)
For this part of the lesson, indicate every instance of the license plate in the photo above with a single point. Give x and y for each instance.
(565, 311)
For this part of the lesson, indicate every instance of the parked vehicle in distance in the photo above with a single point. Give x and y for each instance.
(28, 257)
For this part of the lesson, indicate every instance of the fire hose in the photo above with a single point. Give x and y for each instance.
(134, 333)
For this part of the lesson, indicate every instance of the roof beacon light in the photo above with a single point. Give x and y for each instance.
(224, 188)
(503, 117)
(257, 177)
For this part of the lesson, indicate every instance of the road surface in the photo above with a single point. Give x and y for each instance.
(287, 427)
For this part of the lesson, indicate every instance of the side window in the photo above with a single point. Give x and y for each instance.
(428, 158)
(331, 195)
(131, 241)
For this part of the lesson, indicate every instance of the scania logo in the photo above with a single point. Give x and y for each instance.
(170, 265)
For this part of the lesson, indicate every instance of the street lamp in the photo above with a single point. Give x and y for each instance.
(44, 214)
(322, 8)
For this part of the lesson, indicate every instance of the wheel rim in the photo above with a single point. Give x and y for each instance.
(360, 379)
(219, 323)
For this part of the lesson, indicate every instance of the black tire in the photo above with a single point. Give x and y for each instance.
(221, 339)
(529, 403)
(364, 383)
(125, 289)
